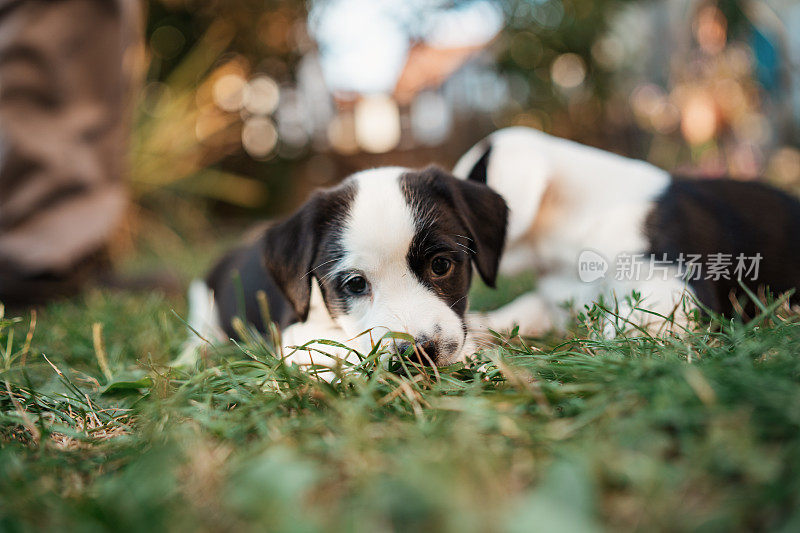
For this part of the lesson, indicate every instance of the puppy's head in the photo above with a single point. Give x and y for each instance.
(393, 250)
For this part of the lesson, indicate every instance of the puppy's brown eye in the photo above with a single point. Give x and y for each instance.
(356, 285)
(441, 266)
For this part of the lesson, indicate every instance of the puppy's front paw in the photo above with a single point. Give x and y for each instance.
(530, 312)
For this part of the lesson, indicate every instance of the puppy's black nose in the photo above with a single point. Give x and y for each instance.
(424, 352)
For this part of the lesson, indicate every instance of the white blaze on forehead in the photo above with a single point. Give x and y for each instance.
(380, 224)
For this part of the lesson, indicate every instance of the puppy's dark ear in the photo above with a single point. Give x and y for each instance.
(290, 247)
(485, 214)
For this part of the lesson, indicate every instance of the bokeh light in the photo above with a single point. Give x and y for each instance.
(699, 118)
(167, 41)
(259, 137)
(363, 82)
(377, 124)
(261, 95)
(568, 70)
(229, 92)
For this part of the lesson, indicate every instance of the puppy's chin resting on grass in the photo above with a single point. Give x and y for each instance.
(390, 250)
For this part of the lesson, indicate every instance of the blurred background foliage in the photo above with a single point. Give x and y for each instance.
(251, 103)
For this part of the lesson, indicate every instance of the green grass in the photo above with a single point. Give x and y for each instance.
(573, 434)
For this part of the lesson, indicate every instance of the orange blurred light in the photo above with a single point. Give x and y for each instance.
(228, 92)
(711, 29)
(698, 119)
(275, 29)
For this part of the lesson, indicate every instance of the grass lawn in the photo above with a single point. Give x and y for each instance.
(570, 434)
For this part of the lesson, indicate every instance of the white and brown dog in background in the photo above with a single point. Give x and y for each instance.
(568, 201)
(388, 250)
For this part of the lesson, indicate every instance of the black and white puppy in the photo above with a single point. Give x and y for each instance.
(580, 216)
(388, 250)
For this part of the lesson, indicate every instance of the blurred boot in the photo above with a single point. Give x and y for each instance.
(67, 73)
